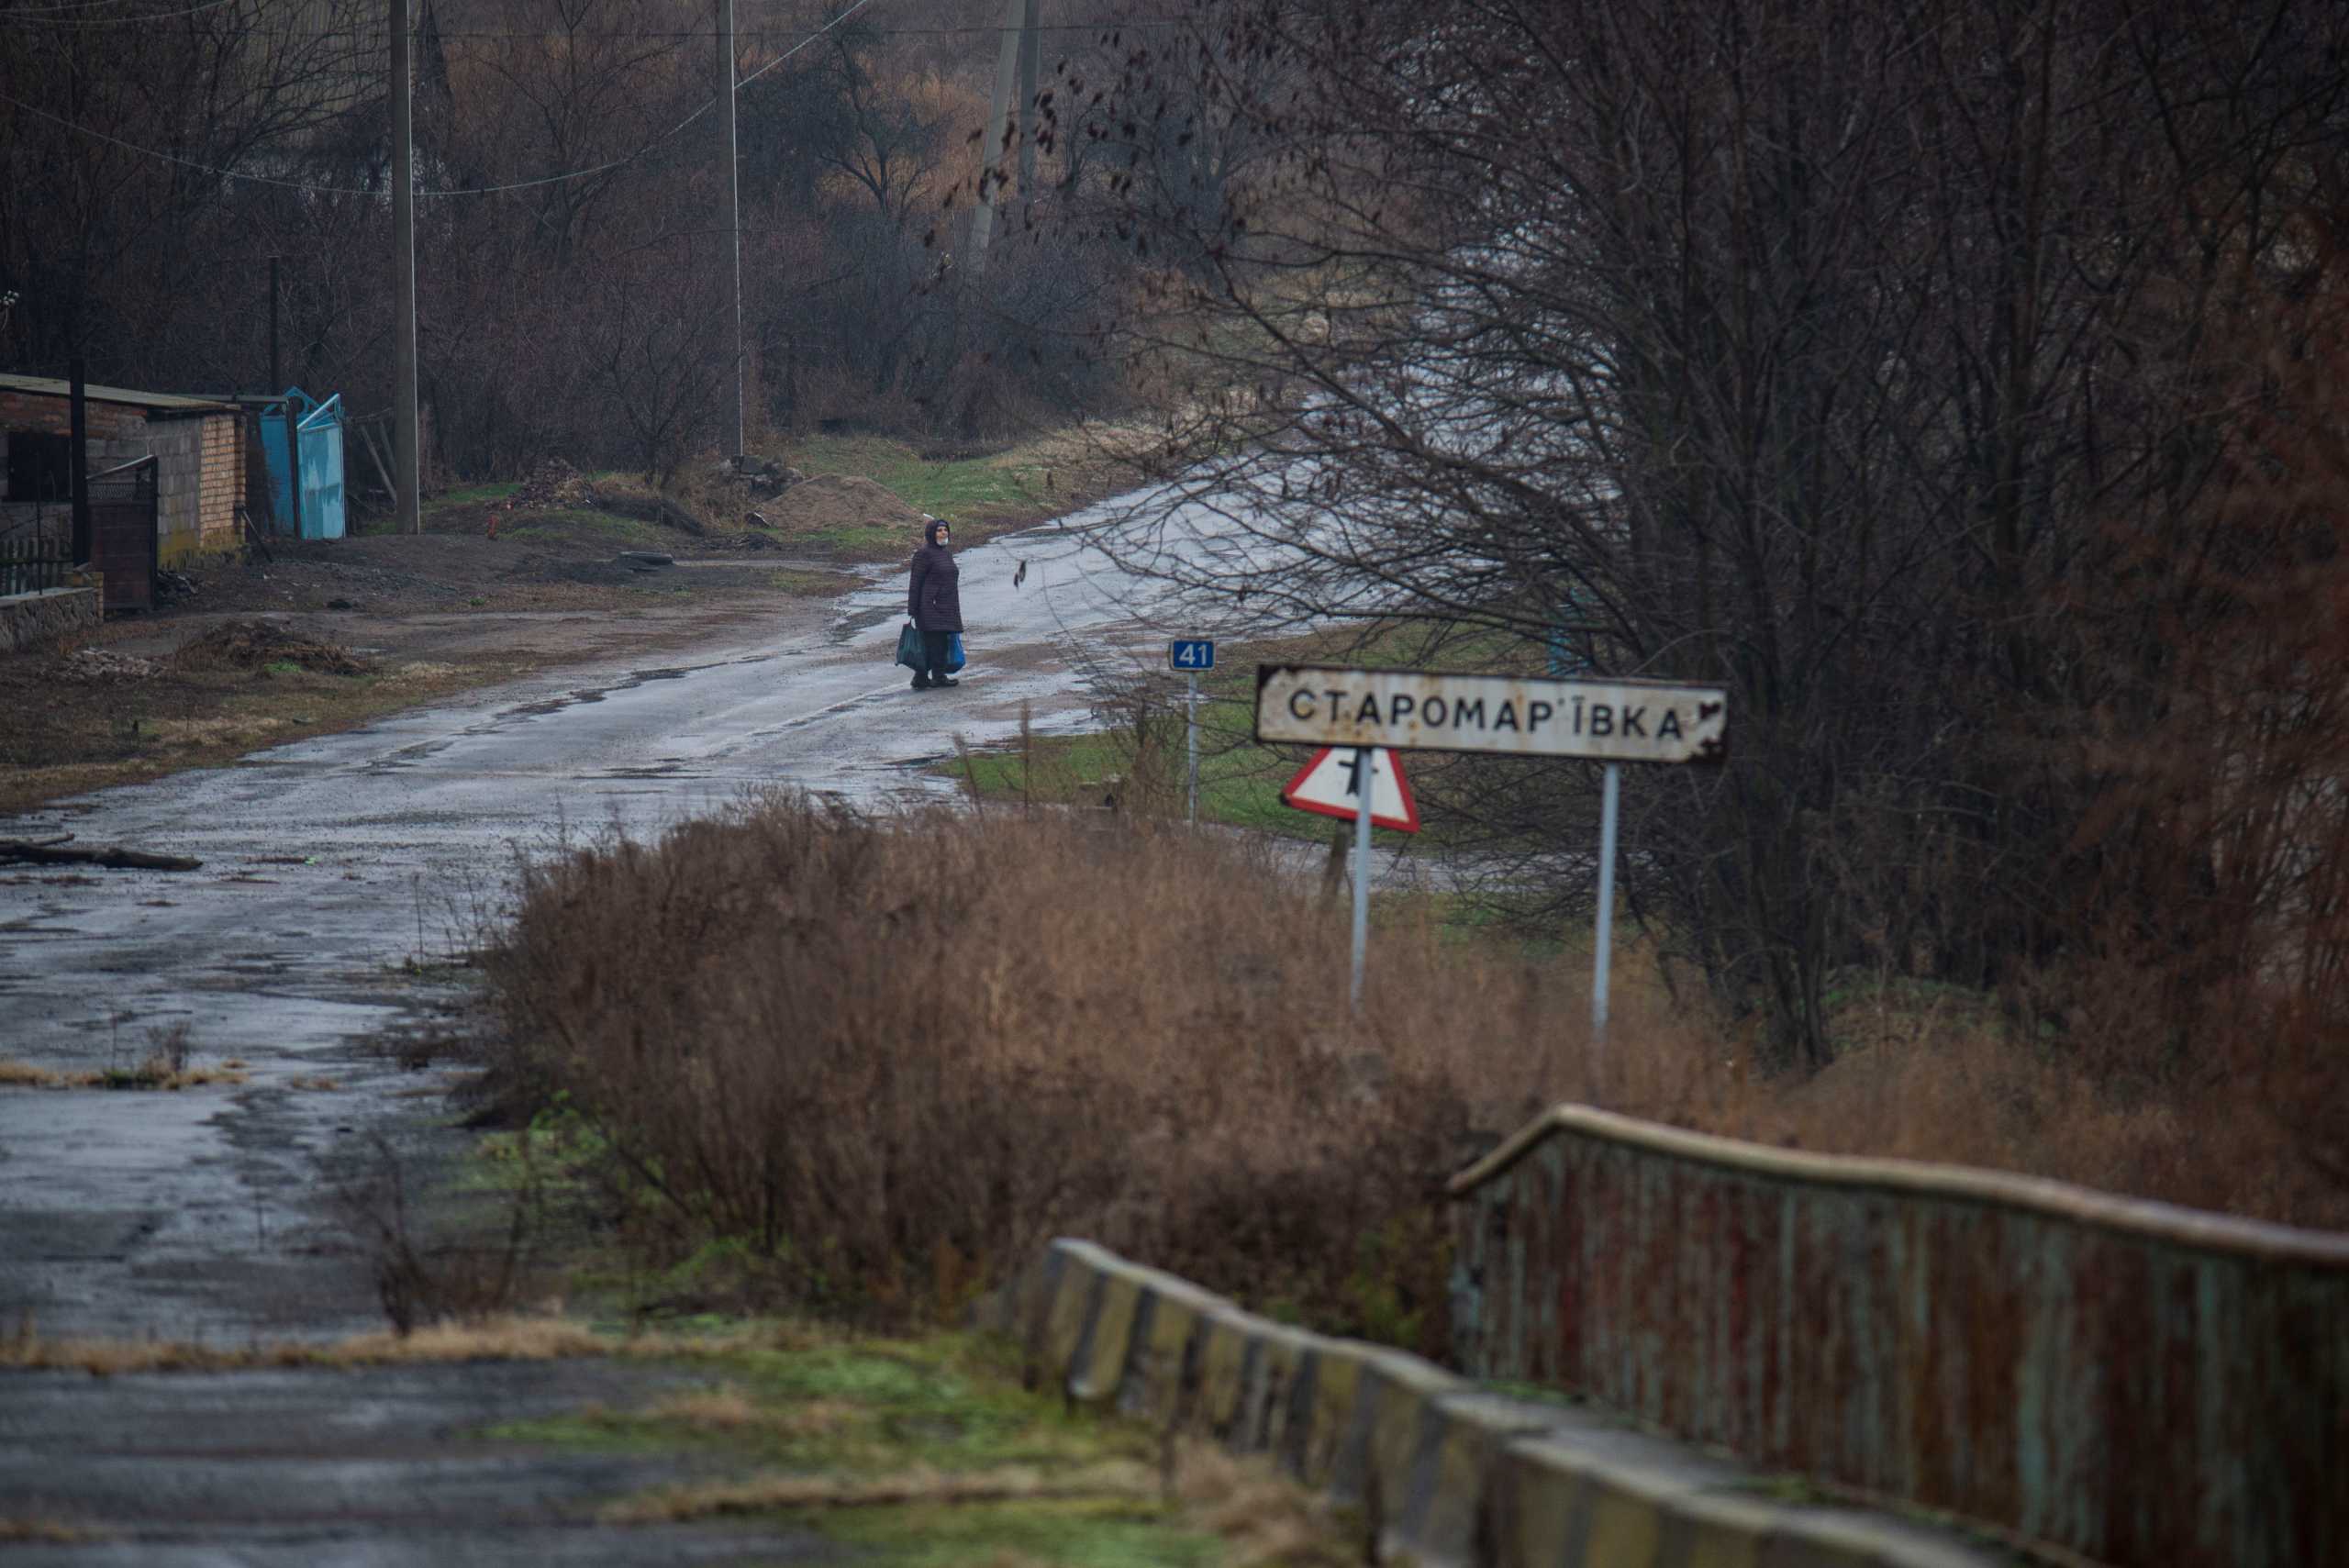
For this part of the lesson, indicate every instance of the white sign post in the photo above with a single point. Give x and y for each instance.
(1365, 784)
(1363, 791)
(1608, 721)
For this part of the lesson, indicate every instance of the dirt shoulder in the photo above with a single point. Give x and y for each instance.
(356, 629)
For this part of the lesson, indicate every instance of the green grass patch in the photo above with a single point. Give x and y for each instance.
(955, 488)
(627, 533)
(1240, 780)
(855, 1408)
(452, 511)
(1097, 1532)
(476, 495)
(812, 584)
(894, 1448)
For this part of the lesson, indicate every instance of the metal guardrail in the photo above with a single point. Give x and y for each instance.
(2127, 1380)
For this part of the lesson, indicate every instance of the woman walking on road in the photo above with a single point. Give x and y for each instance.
(935, 601)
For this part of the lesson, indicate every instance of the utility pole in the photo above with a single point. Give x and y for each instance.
(1006, 71)
(408, 516)
(276, 384)
(1030, 47)
(77, 449)
(729, 432)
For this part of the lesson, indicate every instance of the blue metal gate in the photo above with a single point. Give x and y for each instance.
(301, 442)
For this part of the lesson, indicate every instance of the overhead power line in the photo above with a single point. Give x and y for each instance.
(1101, 25)
(12, 14)
(449, 190)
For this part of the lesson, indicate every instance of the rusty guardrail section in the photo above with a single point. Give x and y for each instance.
(2134, 1382)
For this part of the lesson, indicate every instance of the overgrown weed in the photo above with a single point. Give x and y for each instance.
(889, 1058)
(864, 1067)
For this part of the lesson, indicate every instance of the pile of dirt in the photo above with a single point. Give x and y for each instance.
(555, 483)
(102, 664)
(250, 644)
(832, 500)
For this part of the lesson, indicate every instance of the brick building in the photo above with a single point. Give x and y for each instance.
(198, 444)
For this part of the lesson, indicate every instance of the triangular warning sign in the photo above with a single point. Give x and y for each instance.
(1326, 784)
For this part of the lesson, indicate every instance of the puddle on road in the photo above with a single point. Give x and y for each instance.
(654, 770)
(846, 629)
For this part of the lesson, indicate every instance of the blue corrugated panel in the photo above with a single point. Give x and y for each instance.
(301, 442)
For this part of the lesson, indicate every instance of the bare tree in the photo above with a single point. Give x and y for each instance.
(1810, 351)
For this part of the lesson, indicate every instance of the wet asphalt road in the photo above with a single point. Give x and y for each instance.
(338, 871)
(381, 1467)
(338, 874)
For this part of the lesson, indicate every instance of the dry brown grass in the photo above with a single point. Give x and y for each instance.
(533, 1339)
(918, 1488)
(154, 1073)
(1935, 1076)
(1263, 1514)
(888, 1059)
(893, 1058)
(21, 1532)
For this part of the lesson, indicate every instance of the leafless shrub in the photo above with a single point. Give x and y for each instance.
(169, 1047)
(438, 1262)
(875, 1063)
(891, 1057)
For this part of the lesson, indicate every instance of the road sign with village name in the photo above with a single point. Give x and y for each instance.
(1613, 721)
(1329, 782)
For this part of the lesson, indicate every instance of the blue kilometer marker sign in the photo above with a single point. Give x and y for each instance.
(1191, 654)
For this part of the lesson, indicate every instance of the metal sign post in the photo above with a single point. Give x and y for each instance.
(1191, 709)
(1191, 655)
(1366, 769)
(1605, 721)
(1610, 795)
(1374, 793)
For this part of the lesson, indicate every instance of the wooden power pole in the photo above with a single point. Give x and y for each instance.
(1016, 31)
(1030, 64)
(405, 470)
(729, 434)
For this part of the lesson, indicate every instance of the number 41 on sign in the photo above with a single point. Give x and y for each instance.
(1331, 784)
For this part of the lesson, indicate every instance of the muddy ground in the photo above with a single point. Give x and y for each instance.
(503, 582)
(424, 616)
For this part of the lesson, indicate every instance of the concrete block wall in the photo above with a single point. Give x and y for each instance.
(1446, 1473)
(178, 448)
(199, 481)
(34, 622)
(2127, 1381)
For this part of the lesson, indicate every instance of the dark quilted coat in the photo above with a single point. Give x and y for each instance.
(935, 599)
